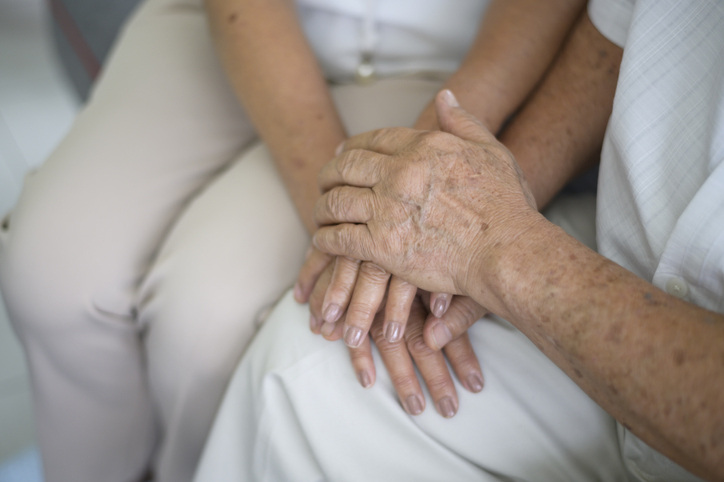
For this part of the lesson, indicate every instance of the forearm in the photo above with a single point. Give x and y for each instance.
(558, 133)
(516, 42)
(278, 81)
(651, 360)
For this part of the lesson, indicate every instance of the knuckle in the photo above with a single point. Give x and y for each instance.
(404, 382)
(374, 272)
(438, 382)
(417, 346)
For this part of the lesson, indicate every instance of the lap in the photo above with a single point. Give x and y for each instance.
(294, 411)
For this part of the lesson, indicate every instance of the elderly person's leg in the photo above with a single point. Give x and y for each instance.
(294, 410)
(160, 125)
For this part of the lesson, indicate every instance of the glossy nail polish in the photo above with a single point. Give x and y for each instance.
(332, 313)
(440, 306)
(446, 407)
(393, 332)
(413, 405)
(353, 336)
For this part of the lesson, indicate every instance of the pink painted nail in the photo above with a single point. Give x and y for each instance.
(332, 313)
(353, 336)
(393, 332)
(446, 407)
(449, 98)
(413, 405)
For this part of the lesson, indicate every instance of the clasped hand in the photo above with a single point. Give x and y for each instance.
(414, 198)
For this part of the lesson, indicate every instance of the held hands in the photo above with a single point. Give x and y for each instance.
(434, 208)
(422, 330)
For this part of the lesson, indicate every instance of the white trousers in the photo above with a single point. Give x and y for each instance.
(294, 411)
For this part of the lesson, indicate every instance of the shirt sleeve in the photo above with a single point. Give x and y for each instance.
(612, 18)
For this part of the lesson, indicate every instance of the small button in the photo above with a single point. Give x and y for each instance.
(677, 287)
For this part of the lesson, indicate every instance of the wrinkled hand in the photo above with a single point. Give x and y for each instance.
(401, 358)
(434, 208)
(345, 294)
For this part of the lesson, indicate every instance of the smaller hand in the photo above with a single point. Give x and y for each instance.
(345, 295)
(400, 360)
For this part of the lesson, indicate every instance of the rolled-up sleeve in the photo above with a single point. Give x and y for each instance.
(612, 18)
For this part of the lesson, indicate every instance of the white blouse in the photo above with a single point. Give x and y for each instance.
(400, 36)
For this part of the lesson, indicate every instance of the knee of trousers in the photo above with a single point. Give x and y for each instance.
(53, 285)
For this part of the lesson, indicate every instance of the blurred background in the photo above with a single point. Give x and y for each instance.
(37, 106)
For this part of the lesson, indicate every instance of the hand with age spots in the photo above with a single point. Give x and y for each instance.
(419, 203)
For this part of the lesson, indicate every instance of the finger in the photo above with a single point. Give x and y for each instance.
(351, 240)
(357, 167)
(340, 288)
(317, 297)
(400, 295)
(439, 303)
(457, 121)
(464, 363)
(387, 141)
(401, 369)
(366, 300)
(363, 363)
(344, 204)
(432, 365)
(461, 315)
(314, 264)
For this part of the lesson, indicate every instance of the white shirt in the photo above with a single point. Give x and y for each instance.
(661, 186)
(402, 36)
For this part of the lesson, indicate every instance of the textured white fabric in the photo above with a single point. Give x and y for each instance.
(661, 191)
(295, 411)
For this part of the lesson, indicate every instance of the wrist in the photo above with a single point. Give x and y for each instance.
(496, 274)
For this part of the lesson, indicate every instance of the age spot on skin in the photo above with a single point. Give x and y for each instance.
(679, 357)
(614, 333)
(232, 18)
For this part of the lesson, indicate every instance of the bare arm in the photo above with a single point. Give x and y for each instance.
(278, 81)
(516, 42)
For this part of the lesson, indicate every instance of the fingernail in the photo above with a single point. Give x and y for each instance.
(449, 98)
(353, 336)
(314, 323)
(331, 313)
(413, 405)
(339, 149)
(327, 329)
(393, 332)
(441, 334)
(475, 382)
(364, 378)
(297, 292)
(440, 306)
(446, 407)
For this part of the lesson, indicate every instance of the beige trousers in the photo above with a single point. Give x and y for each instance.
(140, 254)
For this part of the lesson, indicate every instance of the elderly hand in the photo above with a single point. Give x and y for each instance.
(357, 290)
(401, 358)
(431, 207)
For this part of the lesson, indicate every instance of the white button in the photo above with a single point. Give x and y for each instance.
(677, 287)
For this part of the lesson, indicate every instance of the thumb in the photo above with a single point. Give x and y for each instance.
(455, 120)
